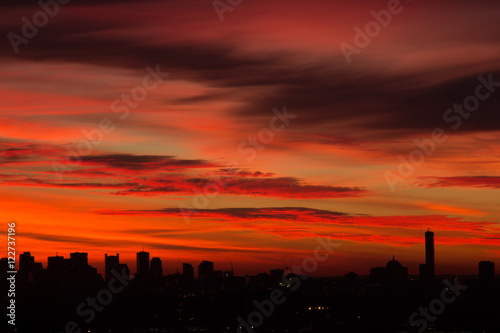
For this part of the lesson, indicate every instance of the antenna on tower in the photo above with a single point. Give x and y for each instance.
(230, 262)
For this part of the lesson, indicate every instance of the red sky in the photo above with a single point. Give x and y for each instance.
(323, 174)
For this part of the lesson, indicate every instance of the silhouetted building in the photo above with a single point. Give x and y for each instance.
(486, 270)
(423, 273)
(290, 280)
(156, 268)
(124, 268)
(188, 271)
(72, 271)
(56, 265)
(142, 263)
(322, 304)
(4, 265)
(28, 266)
(350, 277)
(79, 259)
(377, 274)
(276, 275)
(429, 254)
(205, 269)
(26, 262)
(393, 272)
(110, 263)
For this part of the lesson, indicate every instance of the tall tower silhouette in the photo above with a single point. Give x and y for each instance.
(142, 263)
(429, 253)
(110, 263)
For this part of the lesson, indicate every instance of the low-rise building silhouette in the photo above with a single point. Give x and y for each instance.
(28, 266)
(392, 272)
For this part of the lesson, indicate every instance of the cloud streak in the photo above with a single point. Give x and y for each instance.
(484, 182)
(307, 216)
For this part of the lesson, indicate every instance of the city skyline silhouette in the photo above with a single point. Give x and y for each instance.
(145, 266)
(250, 166)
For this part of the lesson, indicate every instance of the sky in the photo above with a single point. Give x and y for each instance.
(246, 133)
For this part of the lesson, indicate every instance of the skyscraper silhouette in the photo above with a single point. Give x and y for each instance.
(188, 271)
(56, 265)
(28, 266)
(79, 261)
(276, 275)
(110, 263)
(156, 267)
(4, 265)
(26, 262)
(205, 269)
(429, 254)
(142, 263)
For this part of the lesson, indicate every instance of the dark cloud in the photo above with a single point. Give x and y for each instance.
(310, 216)
(278, 187)
(484, 182)
(161, 175)
(139, 162)
(324, 92)
(19, 180)
(120, 242)
(14, 152)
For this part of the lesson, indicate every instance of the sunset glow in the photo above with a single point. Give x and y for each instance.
(153, 125)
